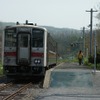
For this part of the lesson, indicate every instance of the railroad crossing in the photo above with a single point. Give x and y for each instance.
(69, 81)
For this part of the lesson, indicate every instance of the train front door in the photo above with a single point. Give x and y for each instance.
(23, 55)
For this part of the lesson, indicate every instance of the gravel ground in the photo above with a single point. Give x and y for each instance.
(32, 93)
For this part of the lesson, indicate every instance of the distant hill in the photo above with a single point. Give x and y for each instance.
(4, 24)
(65, 37)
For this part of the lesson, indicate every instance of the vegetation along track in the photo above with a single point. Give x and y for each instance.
(10, 91)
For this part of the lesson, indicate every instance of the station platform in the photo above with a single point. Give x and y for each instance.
(69, 81)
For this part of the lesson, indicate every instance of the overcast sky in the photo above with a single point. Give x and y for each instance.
(57, 13)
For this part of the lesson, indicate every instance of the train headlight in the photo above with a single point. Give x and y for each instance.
(37, 61)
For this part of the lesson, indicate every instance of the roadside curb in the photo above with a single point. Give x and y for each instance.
(48, 75)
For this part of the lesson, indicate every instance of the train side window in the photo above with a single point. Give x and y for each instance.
(37, 38)
(10, 40)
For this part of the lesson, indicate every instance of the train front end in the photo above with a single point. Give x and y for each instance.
(24, 51)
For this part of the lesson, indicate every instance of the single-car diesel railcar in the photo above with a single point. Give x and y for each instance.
(28, 51)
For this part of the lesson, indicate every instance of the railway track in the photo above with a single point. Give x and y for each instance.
(10, 91)
(20, 89)
(3, 86)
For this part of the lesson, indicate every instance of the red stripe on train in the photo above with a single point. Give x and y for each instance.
(9, 53)
(33, 54)
(37, 54)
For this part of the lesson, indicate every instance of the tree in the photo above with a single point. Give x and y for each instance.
(98, 28)
(98, 16)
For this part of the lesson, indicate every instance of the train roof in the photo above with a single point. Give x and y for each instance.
(28, 26)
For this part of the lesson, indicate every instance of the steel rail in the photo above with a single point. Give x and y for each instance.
(5, 86)
(11, 96)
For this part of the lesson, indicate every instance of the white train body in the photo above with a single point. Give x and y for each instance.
(28, 51)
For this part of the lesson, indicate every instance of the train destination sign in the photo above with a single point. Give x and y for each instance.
(24, 29)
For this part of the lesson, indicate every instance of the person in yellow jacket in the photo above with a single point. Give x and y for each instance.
(80, 57)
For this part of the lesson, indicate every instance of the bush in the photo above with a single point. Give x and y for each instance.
(85, 62)
(98, 58)
(1, 69)
(91, 59)
(98, 66)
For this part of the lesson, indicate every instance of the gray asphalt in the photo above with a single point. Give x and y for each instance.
(69, 81)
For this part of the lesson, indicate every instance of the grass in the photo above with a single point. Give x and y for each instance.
(1, 69)
(98, 66)
(71, 59)
(90, 65)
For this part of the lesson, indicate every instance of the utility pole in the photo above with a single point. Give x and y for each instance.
(84, 40)
(91, 23)
(95, 51)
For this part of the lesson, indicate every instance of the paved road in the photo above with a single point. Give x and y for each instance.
(69, 81)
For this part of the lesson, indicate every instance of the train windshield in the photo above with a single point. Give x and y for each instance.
(37, 37)
(10, 38)
(23, 40)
